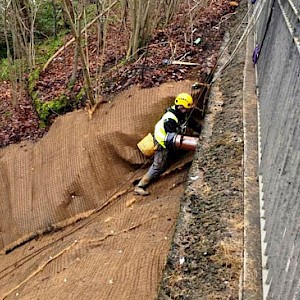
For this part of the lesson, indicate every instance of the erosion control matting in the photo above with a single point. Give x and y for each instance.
(82, 171)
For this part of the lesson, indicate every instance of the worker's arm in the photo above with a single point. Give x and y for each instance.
(171, 125)
(171, 128)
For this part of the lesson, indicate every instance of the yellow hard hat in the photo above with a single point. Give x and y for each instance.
(185, 100)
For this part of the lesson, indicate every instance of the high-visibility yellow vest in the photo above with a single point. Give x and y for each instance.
(159, 131)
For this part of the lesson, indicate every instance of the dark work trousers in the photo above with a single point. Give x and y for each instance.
(159, 163)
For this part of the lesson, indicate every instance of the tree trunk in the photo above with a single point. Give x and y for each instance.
(171, 7)
(19, 30)
(75, 65)
(70, 9)
(54, 18)
(144, 17)
(100, 23)
(12, 75)
(77, 35)
(124, 13)
(73, 39)
(21, 19)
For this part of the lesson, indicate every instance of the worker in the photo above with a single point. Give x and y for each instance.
(175, 121)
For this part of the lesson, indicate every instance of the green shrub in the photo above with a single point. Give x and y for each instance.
(7, 70)
(46, 109)
(4, 69)
(32, 80)
(45, 20)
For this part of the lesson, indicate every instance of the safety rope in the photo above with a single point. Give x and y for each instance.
(211, 77)
(255, 15)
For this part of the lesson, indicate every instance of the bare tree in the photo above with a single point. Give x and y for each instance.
(141, 14)
(170, 8)
(70, 42)
(124, 12)
(21, 17)
(77, 23)
(11, 69)
(20, 20)
(31, 43)
(54, 6)
(76, 32)
(101, 22)
(144, 17)
(18, 26)
(70, 9)
(102, 6)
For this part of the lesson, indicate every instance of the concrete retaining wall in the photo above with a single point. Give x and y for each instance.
(278, 81)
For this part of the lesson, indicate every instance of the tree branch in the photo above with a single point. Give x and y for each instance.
(73, 39)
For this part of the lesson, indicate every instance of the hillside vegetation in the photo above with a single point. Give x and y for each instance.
(118, 47)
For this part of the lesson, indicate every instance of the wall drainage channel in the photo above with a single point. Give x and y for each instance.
(252, 276)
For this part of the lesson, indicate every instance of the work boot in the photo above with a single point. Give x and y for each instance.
(140, 188)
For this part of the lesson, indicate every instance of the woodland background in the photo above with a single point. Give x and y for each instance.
(57, 56)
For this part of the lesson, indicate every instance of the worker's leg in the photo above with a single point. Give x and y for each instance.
(157, 167)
